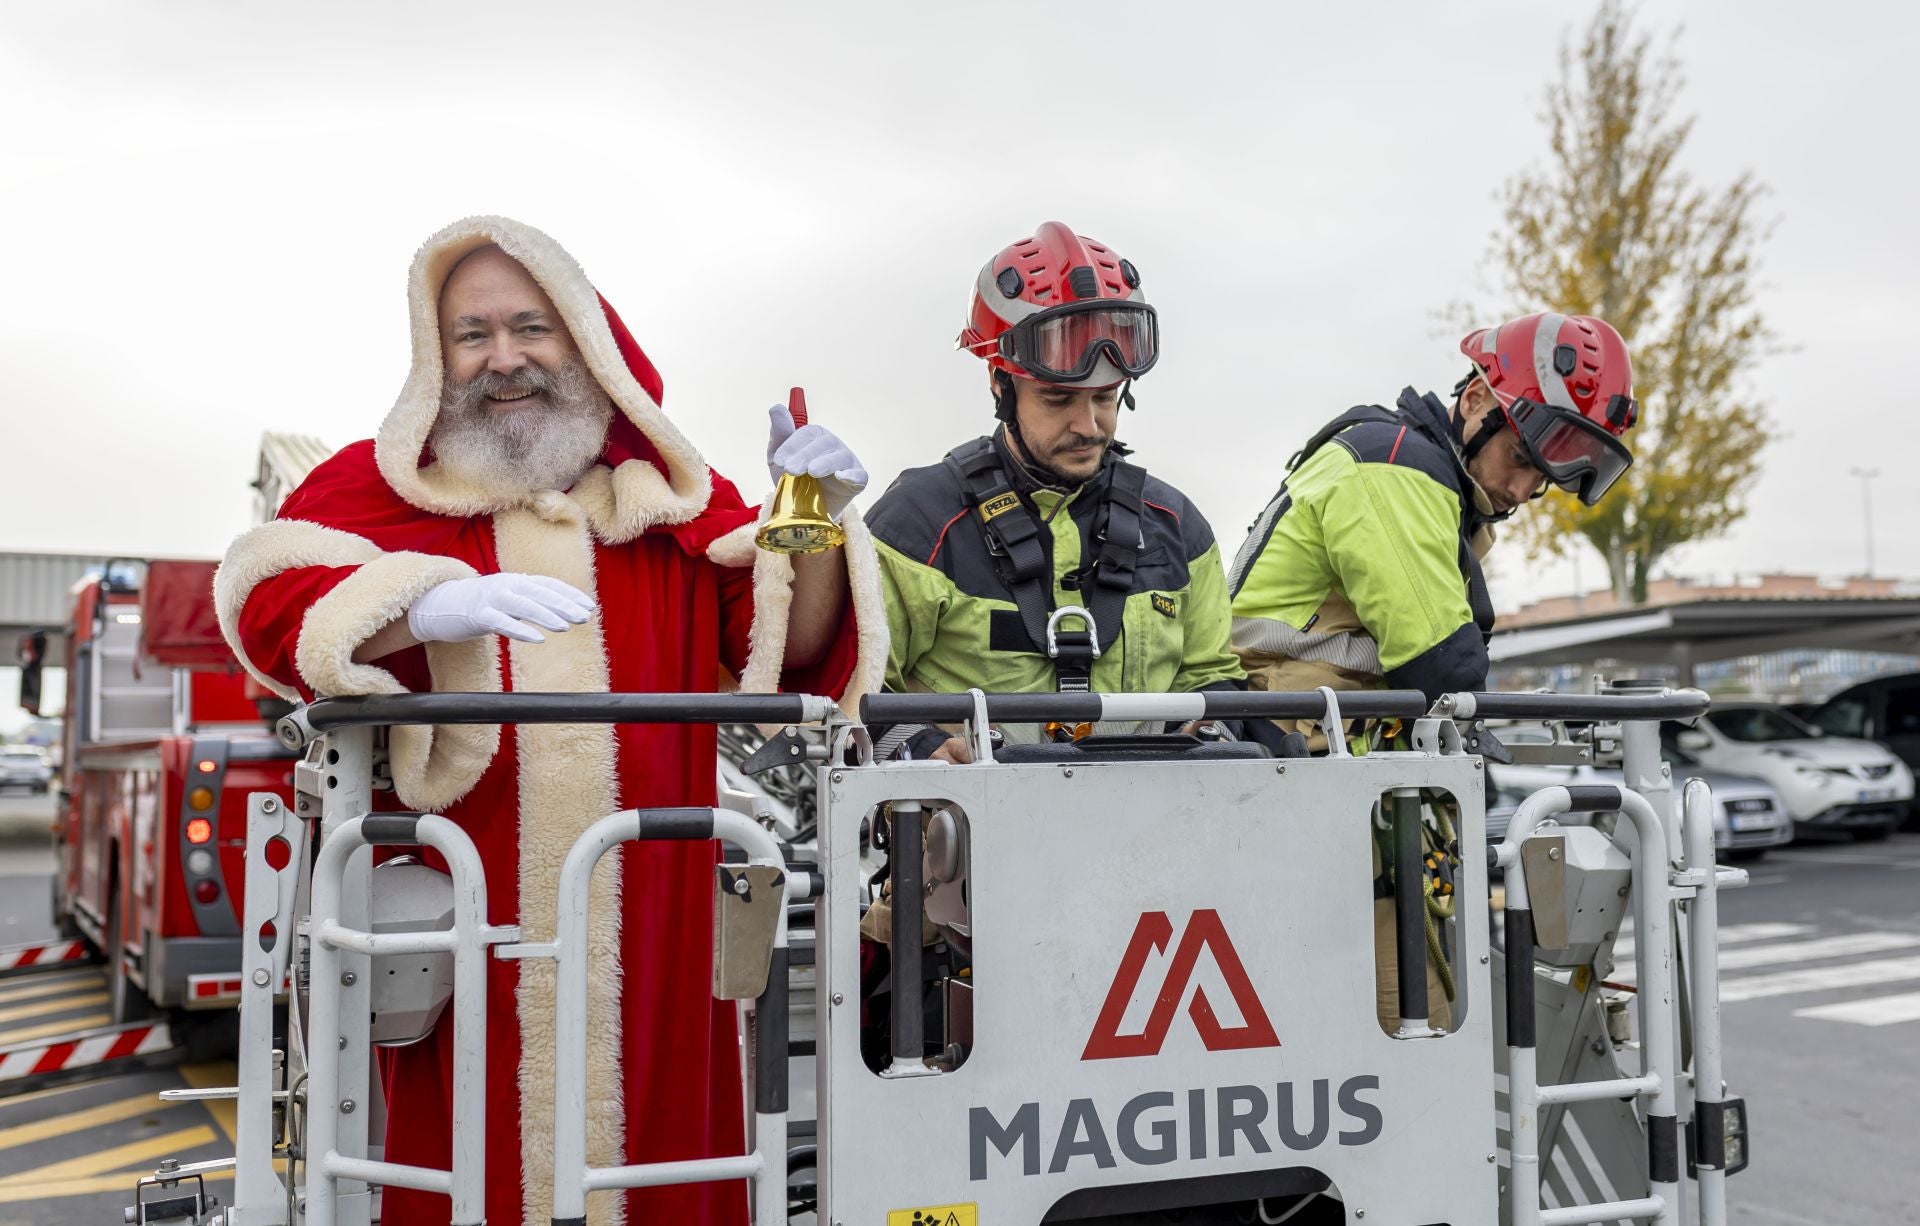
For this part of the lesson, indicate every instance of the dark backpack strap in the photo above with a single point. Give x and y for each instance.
(1015, 536)
(1352, 417)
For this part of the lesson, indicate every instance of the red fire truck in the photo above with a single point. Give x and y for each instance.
(163, 743)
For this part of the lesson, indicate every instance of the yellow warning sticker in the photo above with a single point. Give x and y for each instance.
(937, 1215)
(999, 505)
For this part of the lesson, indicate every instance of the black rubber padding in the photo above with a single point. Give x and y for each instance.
(391, 829)
(330, 713)
(1594, 797)
(770, 1040)
(1663, 1149)
(1409, 910)
(1519, 978)
(569, 1221)
(1710, 1134)
(676, 823)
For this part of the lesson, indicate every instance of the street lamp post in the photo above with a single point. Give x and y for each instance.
(1866, 476)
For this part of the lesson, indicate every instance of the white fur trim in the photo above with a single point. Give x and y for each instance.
(256, 556)
(773, 606)
(621, 505)
(736, 548)
(567, 782)
(433, 765)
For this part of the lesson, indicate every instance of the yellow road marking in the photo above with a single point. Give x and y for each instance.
(149, 1150)
(29, 988)
(225, 1111)
(40, 1008)
(34, 1096)
(90, 1117)
(123, 1181)
(9, 1037)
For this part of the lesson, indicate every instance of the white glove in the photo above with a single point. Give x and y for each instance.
(462, 609)
(817, 452)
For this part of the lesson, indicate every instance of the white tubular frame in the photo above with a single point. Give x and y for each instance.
(1653, 955)
(766, 1165)
(259, 1197)
(1709, 1091)
(341, 956)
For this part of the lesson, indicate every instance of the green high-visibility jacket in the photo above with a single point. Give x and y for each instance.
(954, 622)
(1365, 567)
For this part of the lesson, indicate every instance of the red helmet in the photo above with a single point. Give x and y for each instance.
(1062, 308)
(1565, 385)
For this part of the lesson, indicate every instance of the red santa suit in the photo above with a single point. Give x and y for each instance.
(665, 546)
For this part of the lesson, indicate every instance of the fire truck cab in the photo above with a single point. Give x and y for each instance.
(162, 746)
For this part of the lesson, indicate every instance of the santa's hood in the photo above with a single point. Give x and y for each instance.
(649, 474)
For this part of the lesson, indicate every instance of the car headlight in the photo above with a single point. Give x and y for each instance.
(1813, 774)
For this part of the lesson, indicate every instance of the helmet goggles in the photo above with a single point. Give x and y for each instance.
(1576, 453)
(1064, 344)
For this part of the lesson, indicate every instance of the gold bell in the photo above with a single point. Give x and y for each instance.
(799, 522)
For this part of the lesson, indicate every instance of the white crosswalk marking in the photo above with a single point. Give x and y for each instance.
(1819, 979)
(1873, 1011)
(1730, 934)
(1850, 945)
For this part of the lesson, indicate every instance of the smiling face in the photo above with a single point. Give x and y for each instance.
(1065, 431)
(518, 408)
(495, 319)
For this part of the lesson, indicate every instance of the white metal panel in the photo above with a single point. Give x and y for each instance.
(1065, 863)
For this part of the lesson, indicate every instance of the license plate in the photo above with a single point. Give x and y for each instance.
(1751, 821)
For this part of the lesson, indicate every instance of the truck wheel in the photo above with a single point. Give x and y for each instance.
(125, 999)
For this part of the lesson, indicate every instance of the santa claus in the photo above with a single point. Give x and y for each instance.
(528, 519)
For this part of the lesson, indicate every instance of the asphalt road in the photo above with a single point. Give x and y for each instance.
(1821, 1013)
(1820, 984)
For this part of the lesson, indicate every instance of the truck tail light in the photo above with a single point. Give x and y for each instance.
(199, 830)
(200, 799)
(206, 892)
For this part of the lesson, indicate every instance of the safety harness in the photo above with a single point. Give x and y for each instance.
(1019, 543)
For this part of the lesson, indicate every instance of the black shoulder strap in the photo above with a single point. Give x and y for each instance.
(1118, 541)
(1352, 417)
(1015, 536)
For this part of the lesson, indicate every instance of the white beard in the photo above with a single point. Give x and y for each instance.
(527, 450)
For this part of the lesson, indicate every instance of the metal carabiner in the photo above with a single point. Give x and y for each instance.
(1053, 622)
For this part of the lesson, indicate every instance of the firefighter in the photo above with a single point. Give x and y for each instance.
(1038, 557)
(1364, 570)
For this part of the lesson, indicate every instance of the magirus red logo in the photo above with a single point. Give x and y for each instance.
(1205, 934)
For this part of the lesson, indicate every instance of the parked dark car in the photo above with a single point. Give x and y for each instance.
(1886, 709)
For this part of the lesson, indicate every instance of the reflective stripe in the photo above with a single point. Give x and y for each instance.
(1348, 649)
(1545, 339)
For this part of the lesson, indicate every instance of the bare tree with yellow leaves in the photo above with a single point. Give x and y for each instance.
(1613, 226)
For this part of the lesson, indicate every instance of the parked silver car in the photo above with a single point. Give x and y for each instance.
(1748, 817)
(24, 766)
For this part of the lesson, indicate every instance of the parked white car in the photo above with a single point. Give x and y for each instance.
(24, 766)
(1828, 782)
(1748, 815)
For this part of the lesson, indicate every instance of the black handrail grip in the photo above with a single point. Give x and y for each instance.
(1593, 797)
(327, 714)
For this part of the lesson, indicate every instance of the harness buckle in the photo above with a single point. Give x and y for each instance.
(1073, 651)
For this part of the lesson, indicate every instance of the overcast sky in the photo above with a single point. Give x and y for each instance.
(211, 209)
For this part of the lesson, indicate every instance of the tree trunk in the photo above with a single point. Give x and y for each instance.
(1619, 563)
